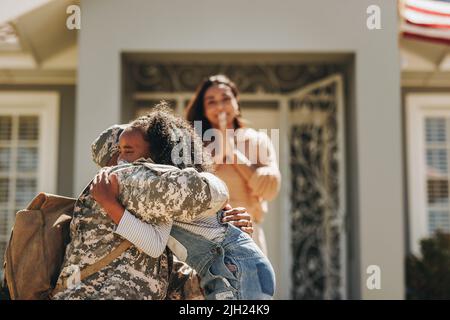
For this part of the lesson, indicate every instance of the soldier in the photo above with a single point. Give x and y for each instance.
(151, 192)
(160, 274)
(230, 264)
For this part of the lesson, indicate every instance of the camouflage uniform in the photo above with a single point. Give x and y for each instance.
(159, 193)
(106, 144)
(153, 193)
(184, 282)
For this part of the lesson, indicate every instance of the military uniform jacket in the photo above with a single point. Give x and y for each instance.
(153, 193)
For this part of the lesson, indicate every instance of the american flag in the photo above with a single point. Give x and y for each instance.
(427, 20)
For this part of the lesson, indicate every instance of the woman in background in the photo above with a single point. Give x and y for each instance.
(251, 181)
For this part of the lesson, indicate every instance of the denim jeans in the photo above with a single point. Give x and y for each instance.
(232, 269)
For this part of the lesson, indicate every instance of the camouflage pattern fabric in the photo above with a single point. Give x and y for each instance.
(159, 193)
(184, 282)
(153, 193)
(106, 145)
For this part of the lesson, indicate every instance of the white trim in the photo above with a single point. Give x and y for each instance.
(180, 106)
(46, 106)
(188, 95)
(312, 86)
(418, 106)
(17, 60)
(286, 255)
(62, 77)
(342, 181)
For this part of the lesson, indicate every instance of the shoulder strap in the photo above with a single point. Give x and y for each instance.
(93, 268)
(160, 168)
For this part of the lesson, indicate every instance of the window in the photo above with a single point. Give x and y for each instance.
(28, 148)
(436, 150)
(428, 161)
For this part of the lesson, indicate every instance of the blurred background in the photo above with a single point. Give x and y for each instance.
(363, 114)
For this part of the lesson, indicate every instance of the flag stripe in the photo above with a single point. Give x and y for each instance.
(435, 6)
(427, 20)
(427, 11)
(420, 17)
(427, 32)
(436, 26)
(425, 38)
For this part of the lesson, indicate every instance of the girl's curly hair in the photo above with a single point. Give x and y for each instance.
(172, 139)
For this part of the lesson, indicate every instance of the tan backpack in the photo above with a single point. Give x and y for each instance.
(37, 245)
(36, 249)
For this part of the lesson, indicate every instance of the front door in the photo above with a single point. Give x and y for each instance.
(317, 190)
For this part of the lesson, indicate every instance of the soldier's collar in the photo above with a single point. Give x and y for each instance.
(147, 160)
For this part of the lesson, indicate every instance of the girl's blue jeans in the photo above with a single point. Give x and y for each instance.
(233, 269)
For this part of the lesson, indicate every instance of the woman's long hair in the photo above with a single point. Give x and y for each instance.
(195, 110)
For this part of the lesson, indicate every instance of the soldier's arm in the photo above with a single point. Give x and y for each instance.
(150, 238)
(172, 194)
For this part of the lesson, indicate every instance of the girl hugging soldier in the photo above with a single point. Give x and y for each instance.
(153, 193)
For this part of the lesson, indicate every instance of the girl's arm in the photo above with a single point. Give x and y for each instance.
(106, 192)
(152, 239)
(149, 238)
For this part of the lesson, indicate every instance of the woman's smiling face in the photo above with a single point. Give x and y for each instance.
(132, 145)
(218, 99)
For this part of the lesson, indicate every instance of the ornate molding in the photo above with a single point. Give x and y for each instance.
(250, 78)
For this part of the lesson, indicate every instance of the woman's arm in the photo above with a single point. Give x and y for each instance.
(263, 178)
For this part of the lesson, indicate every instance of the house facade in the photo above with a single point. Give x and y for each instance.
(313, 70)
